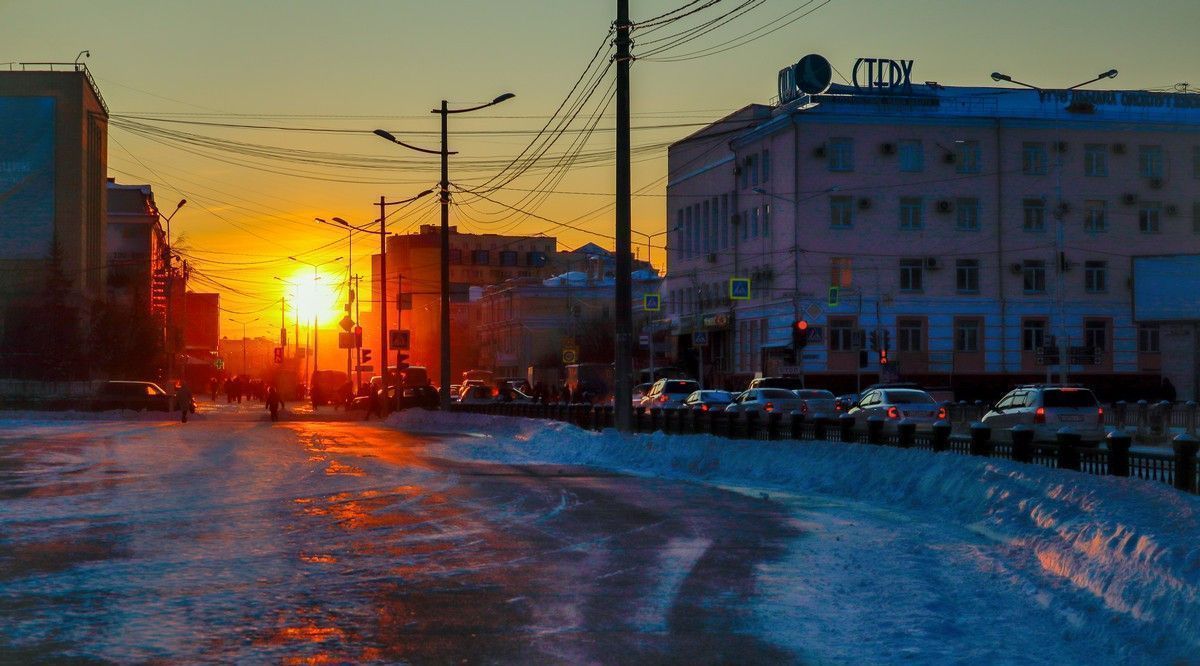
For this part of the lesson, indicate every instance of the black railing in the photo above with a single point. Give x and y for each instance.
(1179, 469)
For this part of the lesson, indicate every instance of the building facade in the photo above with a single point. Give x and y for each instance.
(136, 244)
(414, 287)
(980, 235)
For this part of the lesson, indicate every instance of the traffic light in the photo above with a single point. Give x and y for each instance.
(887, 339)
(358, 336)
(799, 334)
(883, 357)
(364, 356)
(279, 354)
(401, 366)
(874, 340)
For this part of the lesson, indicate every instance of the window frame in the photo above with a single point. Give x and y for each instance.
(966, 273)
(1033, 271)
(1095, 277)
(911, 275)
(1033, 215)
(840, 158)
(912, 213)
(1095, 160)
(966, 214)
(1034, 158)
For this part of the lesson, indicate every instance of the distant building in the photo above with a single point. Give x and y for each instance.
(593, 260)
(974, 231)
(413, 269)
(526, 321)
(136, 246)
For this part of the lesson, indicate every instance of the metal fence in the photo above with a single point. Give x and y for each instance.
(1178, 468)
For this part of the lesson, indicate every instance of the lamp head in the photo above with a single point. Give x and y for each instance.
(385, 134)
(426, 192)
(997, 76)
(341, 221)
(1110, 74)
(184, 201)
(505, 96)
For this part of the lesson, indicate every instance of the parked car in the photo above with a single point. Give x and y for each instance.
(477, 395)
(1047, 408)
(895, 404)
(844, 402)
(789, 383)
(709, 400)
(817, 403)
(138, 396)
(669, 393)
(765, 401)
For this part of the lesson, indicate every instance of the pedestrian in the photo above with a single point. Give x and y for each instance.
(212, 387)
(228, 391)
(183, 397)
(374, 405)
(274, 402)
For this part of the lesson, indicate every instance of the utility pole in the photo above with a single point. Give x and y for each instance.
(444, 374)
(624, 285)
(383, 329)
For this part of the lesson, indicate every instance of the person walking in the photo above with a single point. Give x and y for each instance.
(183, 397)
(274, 402)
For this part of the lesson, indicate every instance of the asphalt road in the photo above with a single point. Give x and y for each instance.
(232, 539)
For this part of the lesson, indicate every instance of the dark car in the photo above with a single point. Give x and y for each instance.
(709, 400)
(138, 396)
(789, 383)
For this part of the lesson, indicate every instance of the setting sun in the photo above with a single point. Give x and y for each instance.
(319, 297)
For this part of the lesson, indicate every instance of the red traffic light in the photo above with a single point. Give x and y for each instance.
(802, 325)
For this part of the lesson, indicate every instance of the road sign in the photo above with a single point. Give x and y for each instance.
(404, 302)
(398, 339)
(219, 363)
(364, 356)
(346, 323)
(644, 340)
(346, 340)
(816, 335)
(570, 356)
(813, 310)
(651, 302)
(279, 354)
(739, 289)
(700, 338)
(790, 370)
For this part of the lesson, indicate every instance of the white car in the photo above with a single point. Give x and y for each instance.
(669, 393)
(896, 404)
(817, 403)
(765, 401)
(1046, 409)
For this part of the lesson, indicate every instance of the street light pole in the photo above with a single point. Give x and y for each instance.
(316, 333)
(444, 186)
(243, 323)
(1059, 259)
(169, 342)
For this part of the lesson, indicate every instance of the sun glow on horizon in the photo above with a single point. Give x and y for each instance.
(318, 297)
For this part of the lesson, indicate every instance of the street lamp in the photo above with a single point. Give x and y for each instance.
(243, 323)
(170, 338)
(445, 153)
(1060, 232)
(382, 231)
(316, 330)
(657, 233)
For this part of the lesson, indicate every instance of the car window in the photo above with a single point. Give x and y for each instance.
(815, 394)
(679, 387)
(777, 394)
(1005, 402)
(869, 399)
(908, 397)
(719, 396)
(1068, 398)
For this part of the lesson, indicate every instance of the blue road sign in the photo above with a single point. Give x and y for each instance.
(739, 289)
(651, 302)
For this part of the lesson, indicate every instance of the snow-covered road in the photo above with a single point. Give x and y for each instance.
(441, 537)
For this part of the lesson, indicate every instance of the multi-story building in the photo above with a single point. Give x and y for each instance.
(975, 233)
(593, 260)
(550, 323)
(135, 243)
(53, 162)
(414, 284)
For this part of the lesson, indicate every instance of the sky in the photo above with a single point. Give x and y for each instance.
(182, 80)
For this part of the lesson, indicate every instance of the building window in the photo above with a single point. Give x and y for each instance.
(706, 237)
(766, 165)
(841, 154)
(479, 257)
(724, 221)
(1148, 338)
(1034, 214)
(508, 258)
(1148, 217)
(456, 256)
(535, 258)
(1095, 159)
(1095, 334)
(841, 335)
(967, 159)
(966, 214)
(967, 275)
(841, 212)
(1033, 158)
(1033, 272)
(766, 220)
(1150, 161)
(841, 272)
(966, 335)
(1095, 276)
(1095, 216)
(910, 335)
(910, 213)
(912, 156)
(1033, 334)
(910, 274)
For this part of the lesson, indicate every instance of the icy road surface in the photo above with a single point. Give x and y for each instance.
(443, 538)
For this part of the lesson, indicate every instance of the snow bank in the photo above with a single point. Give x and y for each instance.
(1132, 547)
(28, 417)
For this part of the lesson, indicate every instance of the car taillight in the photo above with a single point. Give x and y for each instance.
(704, 408)
(837, 407)
(662, 398)
(941, 413)
(770, 407)
(1100, 415)
(893, 413)
(1039, 416)
(804, 408)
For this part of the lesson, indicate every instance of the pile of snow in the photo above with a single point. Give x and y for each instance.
(28, 416)
(1130, 547)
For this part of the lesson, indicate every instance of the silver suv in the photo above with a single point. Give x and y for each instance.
(1047, 408)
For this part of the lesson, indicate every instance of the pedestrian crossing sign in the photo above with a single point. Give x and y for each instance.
(651, 302)
(739, 289)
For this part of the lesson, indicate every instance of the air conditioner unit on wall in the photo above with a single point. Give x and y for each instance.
(864, 203)
(931, 263)
(712, 258)
(1155, 183)
(1172, 210)
(944, 206)
(1118, 149)
(1015, 267)
(1129, 199)
(1060, 146)
(888, 148)
(949, 158)
(819, 152)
